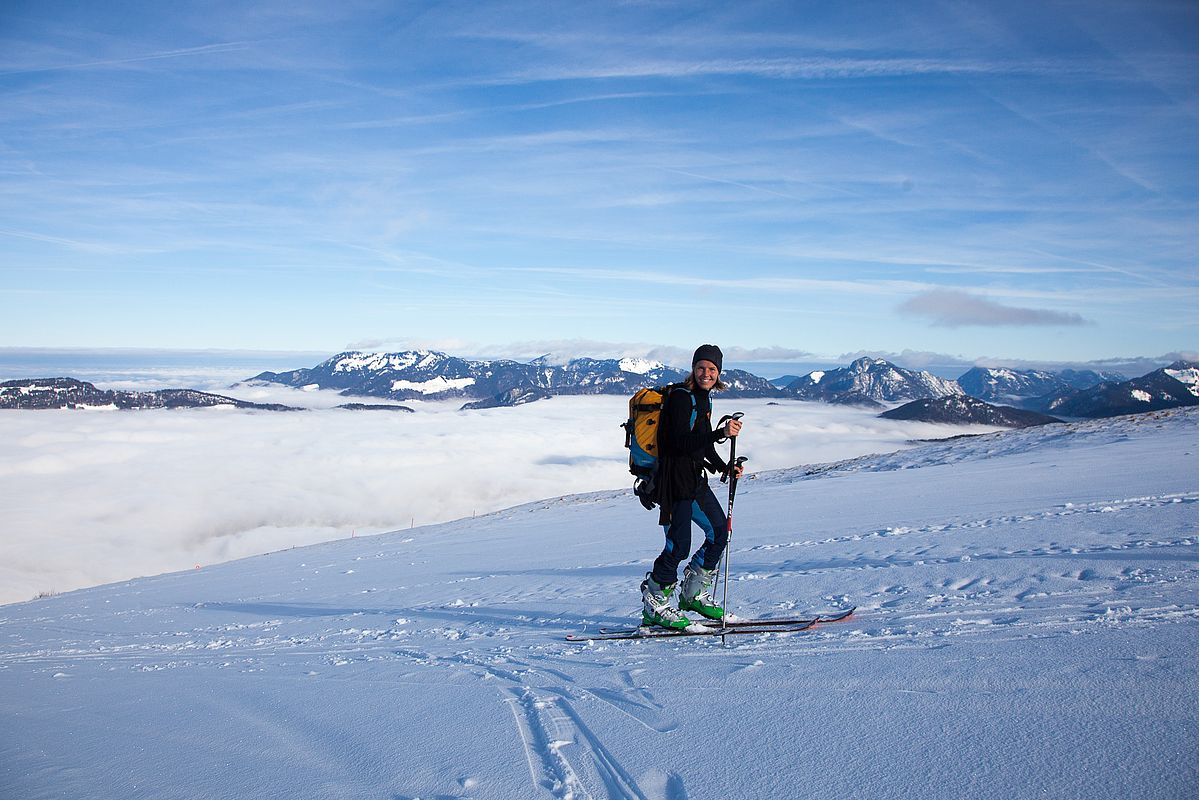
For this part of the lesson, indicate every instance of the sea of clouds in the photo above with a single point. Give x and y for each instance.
(93, 497)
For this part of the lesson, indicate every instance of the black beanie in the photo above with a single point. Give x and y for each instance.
(708, 352)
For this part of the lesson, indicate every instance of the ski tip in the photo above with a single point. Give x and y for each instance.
(837, 616)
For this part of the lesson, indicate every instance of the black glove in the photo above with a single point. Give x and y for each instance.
(716, 466)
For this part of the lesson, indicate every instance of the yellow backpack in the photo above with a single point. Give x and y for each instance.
(641, 437)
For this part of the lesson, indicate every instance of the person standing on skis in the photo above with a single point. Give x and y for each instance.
(687, 447)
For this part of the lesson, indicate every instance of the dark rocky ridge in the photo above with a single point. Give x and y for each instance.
(50, 393)
(966, 410)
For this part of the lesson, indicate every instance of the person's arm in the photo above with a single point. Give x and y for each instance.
(714, 462)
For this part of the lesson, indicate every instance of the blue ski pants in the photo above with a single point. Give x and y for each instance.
(706, 512)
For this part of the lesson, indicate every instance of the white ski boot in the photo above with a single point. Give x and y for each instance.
(656, 607)
(696, 592)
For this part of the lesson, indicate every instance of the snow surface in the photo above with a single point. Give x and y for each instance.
(433, 385)
(639, 366)
(1028, 609)
(1190, 377)
(377, 362)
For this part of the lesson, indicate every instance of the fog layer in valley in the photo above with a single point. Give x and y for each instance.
(94, 497)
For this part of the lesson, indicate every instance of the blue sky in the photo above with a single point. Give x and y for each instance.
(1007, 181)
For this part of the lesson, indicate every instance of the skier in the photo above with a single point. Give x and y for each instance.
(687, 447)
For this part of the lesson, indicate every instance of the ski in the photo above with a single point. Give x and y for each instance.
(694, 630)
(733, 623)
(835, 616)
(758, 622)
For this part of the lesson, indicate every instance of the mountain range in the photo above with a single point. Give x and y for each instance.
(1170, 387)
(868, 382)
(437, 376)
(1012, 385)
(429, 375)
(46, 393)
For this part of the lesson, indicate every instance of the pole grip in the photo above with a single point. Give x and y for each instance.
(732, 445)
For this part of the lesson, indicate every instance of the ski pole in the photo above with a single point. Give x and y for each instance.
(724, 479)
(730, 475)
(734, 465)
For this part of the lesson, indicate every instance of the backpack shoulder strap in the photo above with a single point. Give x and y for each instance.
(669, 390)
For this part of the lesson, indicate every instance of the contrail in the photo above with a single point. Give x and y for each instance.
(223, 47)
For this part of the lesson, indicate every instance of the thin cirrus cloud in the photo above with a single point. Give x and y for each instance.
(954, 309)
(184, 52)
(817, 68)
(589, 164)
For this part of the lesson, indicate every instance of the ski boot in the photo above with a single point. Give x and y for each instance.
(696, 592)
(656, 608)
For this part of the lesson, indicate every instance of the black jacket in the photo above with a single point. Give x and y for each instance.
(685, 449)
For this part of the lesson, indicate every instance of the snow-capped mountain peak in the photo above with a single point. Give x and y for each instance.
(870, 381)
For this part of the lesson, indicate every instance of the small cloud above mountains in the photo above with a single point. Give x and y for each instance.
(950, 308)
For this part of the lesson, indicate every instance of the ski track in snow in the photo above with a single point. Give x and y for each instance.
(1064, 568)
(208, 644)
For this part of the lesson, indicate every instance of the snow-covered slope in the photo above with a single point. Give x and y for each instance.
(1028, 610)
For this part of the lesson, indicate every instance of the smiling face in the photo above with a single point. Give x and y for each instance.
(705, 374)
